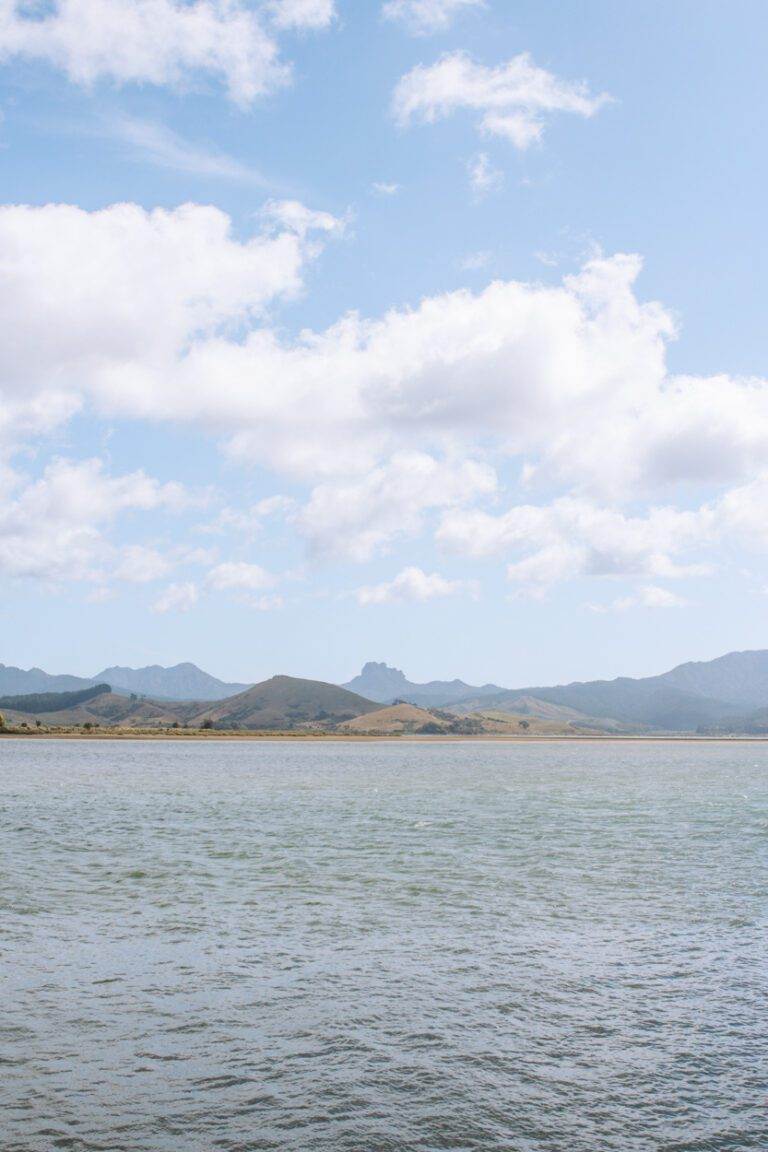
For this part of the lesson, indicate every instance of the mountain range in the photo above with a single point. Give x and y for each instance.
(386, 685)
(181, 682)
(729, 694)
(703, 695)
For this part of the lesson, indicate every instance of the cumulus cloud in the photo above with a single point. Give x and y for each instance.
(141, 565)
(163, 315)
(575, 537)
(161, 42)
(250, 521)
(388, 421)
(177, 598)
(412, 584)
(512, 100)
(99, 302)
(424, 17)
(651, 596)
(359, 519)
(51, 529)
(302, 14)
(239, 577)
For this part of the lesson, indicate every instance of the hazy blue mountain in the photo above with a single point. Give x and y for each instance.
(181, 682)
(738, 678)
(384, 684)
(643, 703)
(21, 682)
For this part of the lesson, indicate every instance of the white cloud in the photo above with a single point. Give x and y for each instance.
(513, 100)
(358, 519)
(165, 316)
(292, 216)
(239, 577)
(575, 537)
(51, 529)
(162, 315)
(100, 301)
(161, 42)
(152, 142)
(176, 598)
(250, 521)
(384, 189)
(302, 14)
(141, 565)
(412, 584)
(425, 17)
(475, 261)
(651, 596)
(483, 177)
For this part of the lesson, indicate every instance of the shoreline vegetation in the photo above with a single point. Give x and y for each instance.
(212, 734)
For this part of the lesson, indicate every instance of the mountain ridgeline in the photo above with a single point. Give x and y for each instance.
(728, 695)
(386, 685)
(181, 682)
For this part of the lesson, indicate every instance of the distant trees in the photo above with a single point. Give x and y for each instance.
(52, 701)
(207, 724)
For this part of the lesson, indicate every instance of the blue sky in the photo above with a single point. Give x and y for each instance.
(454, 358)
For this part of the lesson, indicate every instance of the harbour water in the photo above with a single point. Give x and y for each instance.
(383, 947)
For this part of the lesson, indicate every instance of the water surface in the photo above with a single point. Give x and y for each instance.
(383, 947)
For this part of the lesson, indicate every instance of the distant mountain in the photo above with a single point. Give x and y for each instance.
(181, 682)
(285, 702)
(707, 694)
(20, 681)
(642, 703)
(385, 685)
(738, 678)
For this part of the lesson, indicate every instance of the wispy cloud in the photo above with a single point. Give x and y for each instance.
(649, 597)
(154, 143)
(475, 261)
(382, 188)
(483, 177)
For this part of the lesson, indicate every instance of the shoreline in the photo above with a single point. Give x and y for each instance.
(409, 738)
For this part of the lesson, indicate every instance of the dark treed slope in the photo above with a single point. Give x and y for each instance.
(37, 702)
(384, 684)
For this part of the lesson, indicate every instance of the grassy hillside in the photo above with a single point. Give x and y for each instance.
(395, 720)
(106, 709)
(286, 702)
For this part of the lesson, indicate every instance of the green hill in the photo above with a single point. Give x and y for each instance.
(286, 702)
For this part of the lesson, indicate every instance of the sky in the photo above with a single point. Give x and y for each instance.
(425, 331)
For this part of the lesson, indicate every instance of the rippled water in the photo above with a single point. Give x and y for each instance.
(383, 947)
